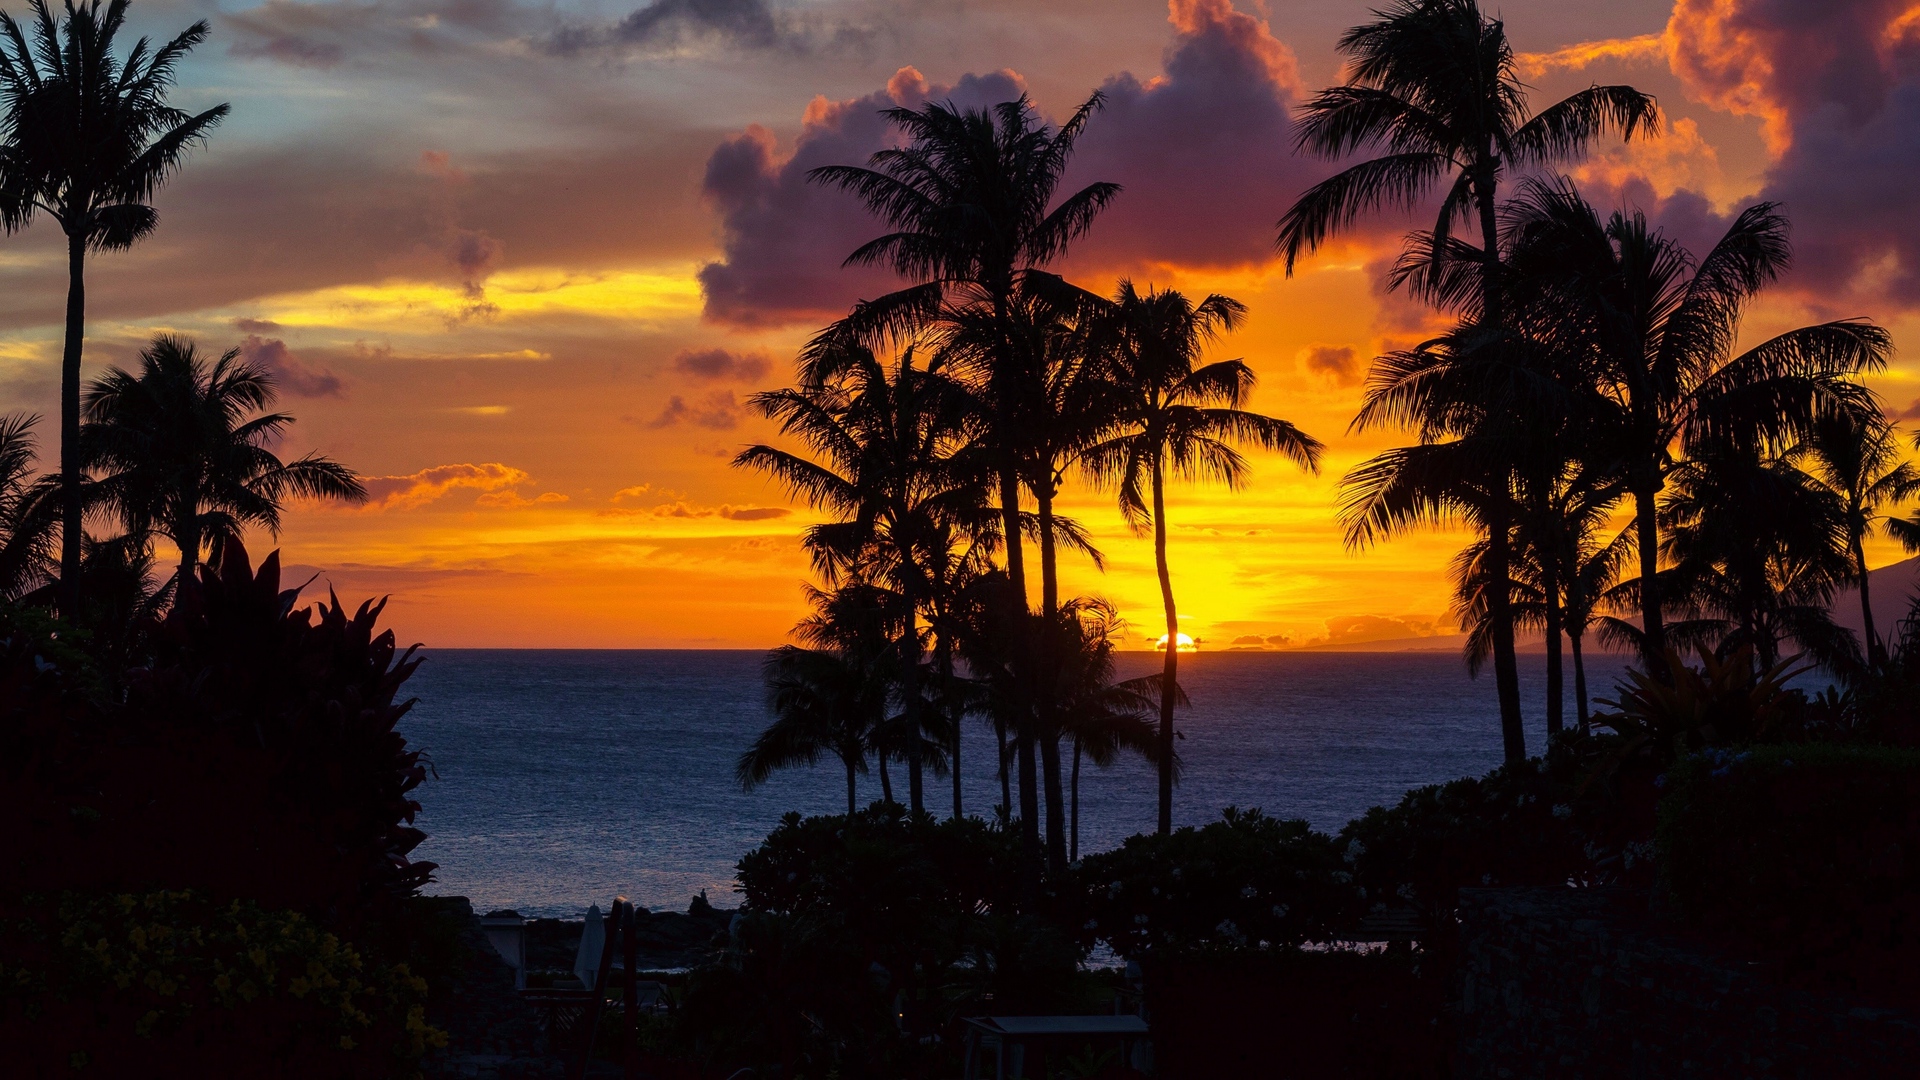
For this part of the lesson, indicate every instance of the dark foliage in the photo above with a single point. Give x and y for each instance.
(1803, 855)
(1246, 880)
(254, 756)
(169, 984)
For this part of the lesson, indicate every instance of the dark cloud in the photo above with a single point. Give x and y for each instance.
(717, 365)
(678, 25)
(291, 374)
(1837, 86)
(256, 326)
(330, 33)
(783, 238)
(718, 411)
(1204, 152)
(1338, 364)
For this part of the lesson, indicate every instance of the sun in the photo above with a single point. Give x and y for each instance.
(1187, 644)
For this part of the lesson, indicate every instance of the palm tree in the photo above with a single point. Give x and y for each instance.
(88, 138)
(1432, 83)
(888, 437)
(1170, 416)
(27, 511)
(183, 449)
(1758, 546)
(1103, 718)
(1858, 459)
(821, 702)
(1656, 330)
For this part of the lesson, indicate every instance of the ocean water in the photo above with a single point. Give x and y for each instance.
(568, 777)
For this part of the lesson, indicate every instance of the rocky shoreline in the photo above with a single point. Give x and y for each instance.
(669, 940)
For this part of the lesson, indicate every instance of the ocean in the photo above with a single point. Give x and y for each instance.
(565, 778)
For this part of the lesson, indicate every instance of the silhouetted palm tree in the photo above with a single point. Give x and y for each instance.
(1169, 416)
(1101, 717)
(183, 448)
(27, 512)
(1858, 459)
(1656, 330)
(88, 137)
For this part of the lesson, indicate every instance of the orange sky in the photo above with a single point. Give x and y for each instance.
(523, 264)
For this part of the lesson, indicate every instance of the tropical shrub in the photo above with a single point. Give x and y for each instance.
(254, 756)
(1807, 855)
(171, 984)
(1245, 880)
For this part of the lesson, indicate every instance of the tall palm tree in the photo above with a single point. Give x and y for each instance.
(822, 702)
(971, 201)
(1858, 459)
(1657, 329)
(1171, 416)
(1431, 83)
(184, 448)
(888, 437)
(88, 137)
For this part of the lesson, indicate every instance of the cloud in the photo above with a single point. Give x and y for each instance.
(680, 508)
(290, 373)
(1279, 639)
(256, 326)
(1249, 639)
(679, 26)
(513, 500)
(717, 365)
(1337, 364)
(418, 489)
(717, 411)
(1836, 84)
(1355, 629)
(783, 239)
(1643, 49)
(1204, 152)
(633, 492)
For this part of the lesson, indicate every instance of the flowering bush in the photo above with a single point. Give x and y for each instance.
(169, 983)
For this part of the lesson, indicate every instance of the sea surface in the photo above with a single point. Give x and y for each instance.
(568, 777)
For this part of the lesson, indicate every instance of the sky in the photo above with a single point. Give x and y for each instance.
(522, 263)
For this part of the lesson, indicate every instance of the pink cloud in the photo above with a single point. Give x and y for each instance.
(420, 488)
(290, 373)
(721, 365)
(783, 238)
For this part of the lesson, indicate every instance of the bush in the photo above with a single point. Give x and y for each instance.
(1245, 880)
(171, 984)
(1807, 855)
(254, 756)
(1569, 818)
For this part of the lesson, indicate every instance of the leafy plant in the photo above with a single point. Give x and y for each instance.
(1725, 701)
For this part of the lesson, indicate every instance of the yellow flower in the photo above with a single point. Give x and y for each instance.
(258, 956)
(222, 983)
(346, 1042)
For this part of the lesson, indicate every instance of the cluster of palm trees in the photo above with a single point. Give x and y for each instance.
(944, 419)
(1592, 376)
(1629, 471)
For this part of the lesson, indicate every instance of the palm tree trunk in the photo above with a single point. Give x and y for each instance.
(944, 652)
(1506, 665)
(1874, 650)
(910, 693)
(852, 794)
(1170, 670)
(886, 781)
(1653, 633)
(1048, 731)
(70, 510)
(1023, 721)
(189, 541)
(1579, 680)
(1073, 855)
(1556, 684)
(1006, 781)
